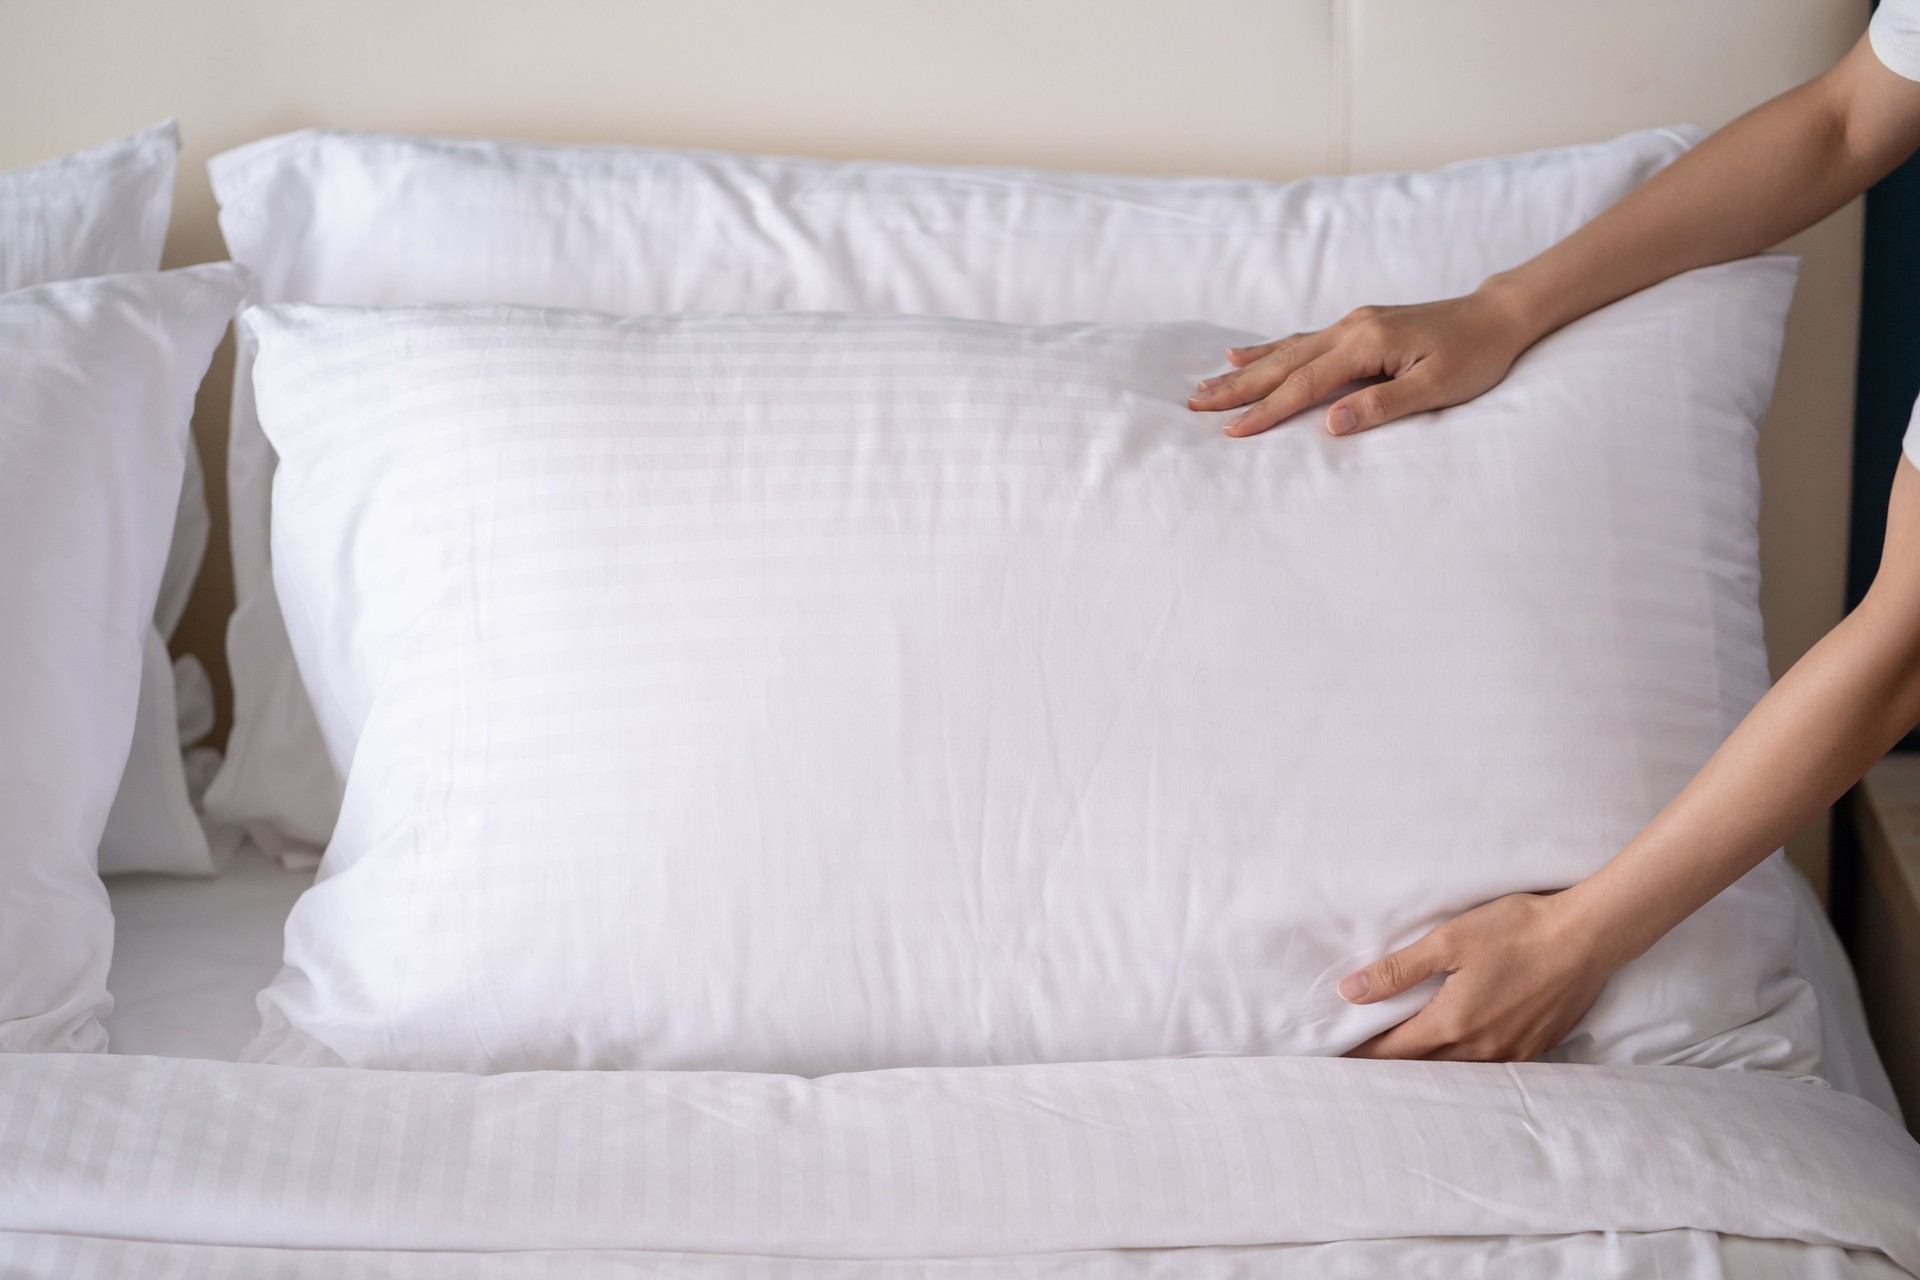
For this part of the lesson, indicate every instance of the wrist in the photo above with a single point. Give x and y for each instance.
(1516, 308)
(1606, 924)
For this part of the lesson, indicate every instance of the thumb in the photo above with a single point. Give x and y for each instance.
(1382, 403)
(1390, 975)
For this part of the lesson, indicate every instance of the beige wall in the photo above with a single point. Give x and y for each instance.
(1270, 88)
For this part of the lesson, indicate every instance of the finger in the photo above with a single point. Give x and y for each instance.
(1401, 971)
(1511, 1044)
(1304, 384)
(1374, 406)
(1237, 356)
(1417, 1037)
(1245, 385)
(1465, 1053)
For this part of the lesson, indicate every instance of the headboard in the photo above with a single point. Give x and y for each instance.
(1265, 88)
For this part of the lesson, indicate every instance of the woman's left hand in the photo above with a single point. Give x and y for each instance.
(1520, 972)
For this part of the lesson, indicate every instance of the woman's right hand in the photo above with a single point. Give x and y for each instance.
(1434, 354)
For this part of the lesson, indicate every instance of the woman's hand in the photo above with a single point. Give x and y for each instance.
(1776, 170)
(1435, 354)
(1520, 972)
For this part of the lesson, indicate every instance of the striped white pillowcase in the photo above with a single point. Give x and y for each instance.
(368, 219)
(817, 693)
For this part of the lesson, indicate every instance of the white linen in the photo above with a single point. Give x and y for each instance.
(1852, 1064)
(99, 212)
(102, 211)
(1670, 1255)
(190, 957)
(817, 693)
(134, 1163)
(100, 376)
(358, 218)
(153, 825)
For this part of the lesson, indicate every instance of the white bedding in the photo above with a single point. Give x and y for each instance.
(1852, 1063)
(820, 693)
(191, 955)
(98, 377)
(374, 220)
(1671, 1255)
(1187, 1167)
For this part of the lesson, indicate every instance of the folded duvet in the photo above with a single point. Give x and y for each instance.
(138, 1166)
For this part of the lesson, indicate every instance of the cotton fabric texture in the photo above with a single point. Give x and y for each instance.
(98, 212)
(100, 376)
(825, 693)
(1239, 1167)
(369, 219)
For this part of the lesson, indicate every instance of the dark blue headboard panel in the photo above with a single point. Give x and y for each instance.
(1886, 382)
(1889, 374)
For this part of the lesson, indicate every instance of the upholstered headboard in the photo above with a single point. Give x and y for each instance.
(1267, 88)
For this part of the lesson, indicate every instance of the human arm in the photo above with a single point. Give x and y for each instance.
(1774, 171)
(1522, 970)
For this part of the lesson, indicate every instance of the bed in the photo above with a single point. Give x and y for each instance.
(1086, 1173)
(193, 953)
(170, 1155)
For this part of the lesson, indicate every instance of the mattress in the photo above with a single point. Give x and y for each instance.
(190, 955)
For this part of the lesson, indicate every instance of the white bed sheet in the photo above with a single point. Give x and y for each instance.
(1184, 1167)
(190, 955)
(1199, 1167)
(1853, 1064)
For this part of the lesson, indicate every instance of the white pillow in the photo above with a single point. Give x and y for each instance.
(100, 212)
(94, 213)
(100, 376)
(823, 693)
(368, 219)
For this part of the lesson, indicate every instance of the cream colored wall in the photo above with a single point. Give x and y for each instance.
(1269, 88)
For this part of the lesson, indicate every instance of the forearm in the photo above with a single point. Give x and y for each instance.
(1774, 171)
(1842, 706)
(1522, 969)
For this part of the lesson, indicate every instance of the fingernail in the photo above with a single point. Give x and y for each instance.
(1354, 987)
(1229, 428)
(1207, 382)
(1340, 421)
